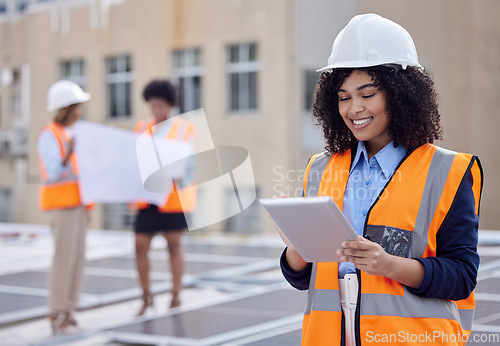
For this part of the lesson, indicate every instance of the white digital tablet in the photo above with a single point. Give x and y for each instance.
(314, 225)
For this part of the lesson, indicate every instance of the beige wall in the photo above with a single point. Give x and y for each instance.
(459, 43)
(149, 31)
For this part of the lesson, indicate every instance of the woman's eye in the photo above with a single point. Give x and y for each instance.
(368, 96)
(343, 98)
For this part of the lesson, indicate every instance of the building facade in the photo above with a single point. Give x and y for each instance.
(249, 63)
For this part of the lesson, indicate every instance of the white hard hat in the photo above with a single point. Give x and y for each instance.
(371, 40)
(65, 93)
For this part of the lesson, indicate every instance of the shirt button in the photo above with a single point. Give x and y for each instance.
(372, 162)
(367, 182)
(364, 213)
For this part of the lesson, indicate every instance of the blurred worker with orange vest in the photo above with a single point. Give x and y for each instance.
(60, 198)
(169, 219)
(410, 277)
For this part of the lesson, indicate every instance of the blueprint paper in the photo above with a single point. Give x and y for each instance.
(108, 168)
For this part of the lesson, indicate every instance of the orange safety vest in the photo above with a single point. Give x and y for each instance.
(417, 199)
(64, 192)
(176, 129)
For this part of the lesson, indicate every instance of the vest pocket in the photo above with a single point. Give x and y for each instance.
(395, 241)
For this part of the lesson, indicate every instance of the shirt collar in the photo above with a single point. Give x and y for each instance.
(388, 157)
(359, 155)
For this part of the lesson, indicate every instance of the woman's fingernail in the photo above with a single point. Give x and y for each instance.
(343, 244)
(338, 253)
(343, 259)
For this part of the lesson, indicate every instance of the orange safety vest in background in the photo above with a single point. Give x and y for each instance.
(417, 199)
(181, 130)
(62, 193)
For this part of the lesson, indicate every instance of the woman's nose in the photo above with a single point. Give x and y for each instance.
(357, 105)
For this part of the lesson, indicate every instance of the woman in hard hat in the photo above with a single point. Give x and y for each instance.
(169, 219)
(415, 206)
(60, 198)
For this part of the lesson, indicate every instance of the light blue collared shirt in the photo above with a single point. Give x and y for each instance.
(366, 181)
(50, 153)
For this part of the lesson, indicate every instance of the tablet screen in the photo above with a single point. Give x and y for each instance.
(314, 225)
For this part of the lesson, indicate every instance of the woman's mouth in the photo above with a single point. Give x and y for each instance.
(360, 123)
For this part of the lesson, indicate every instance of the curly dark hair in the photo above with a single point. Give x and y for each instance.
(160, 88)
(411, 104)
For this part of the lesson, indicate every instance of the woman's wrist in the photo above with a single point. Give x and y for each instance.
(65, 160)
(406, 271)
(294, 260)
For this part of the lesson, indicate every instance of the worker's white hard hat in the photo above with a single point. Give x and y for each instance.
(371, 40)
(65, 93)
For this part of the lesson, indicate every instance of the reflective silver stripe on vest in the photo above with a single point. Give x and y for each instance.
(466, 317)
(315, 173)
(321, 299)
(326, 300)
(409, 305)
(310, 292)
(69, 179)
(434, 185)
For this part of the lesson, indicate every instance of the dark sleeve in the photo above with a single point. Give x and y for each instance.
(452, 273)
(299, 280)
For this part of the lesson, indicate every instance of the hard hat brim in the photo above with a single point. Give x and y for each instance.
(362, 64)
(83, 98)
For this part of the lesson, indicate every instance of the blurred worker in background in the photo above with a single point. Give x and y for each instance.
(60, 197)
(169, 219)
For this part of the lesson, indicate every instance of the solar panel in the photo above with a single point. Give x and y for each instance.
(220, 321)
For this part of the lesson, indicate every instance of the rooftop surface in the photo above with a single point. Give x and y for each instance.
(234, 292)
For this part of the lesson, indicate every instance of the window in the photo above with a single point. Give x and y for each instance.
(119, 83)
(21, 5)
(242, 69)
(187, 71)
(312, 135)
(311, 79)
(5, 205)
(16, 96)
(74, 70)
(14, 6)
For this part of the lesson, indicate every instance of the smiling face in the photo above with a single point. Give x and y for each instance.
(363, 107)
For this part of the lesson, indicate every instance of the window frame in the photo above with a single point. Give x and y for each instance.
(184, 76)
(121, 78)
(243, 68)
(76, 65)
(6, 210)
